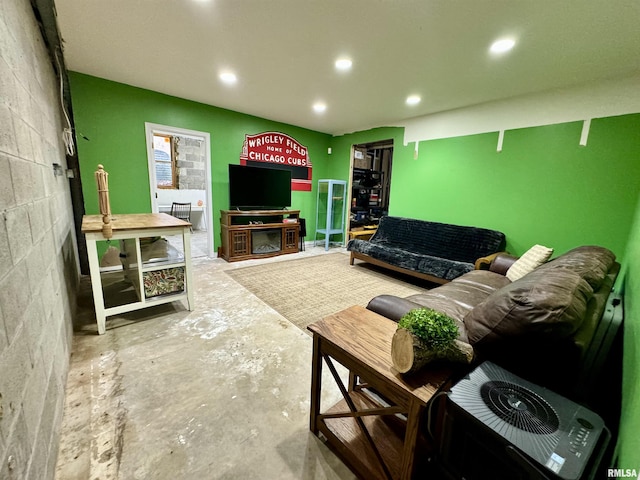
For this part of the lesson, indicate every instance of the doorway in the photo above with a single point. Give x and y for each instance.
(370, 186)
(180, 171)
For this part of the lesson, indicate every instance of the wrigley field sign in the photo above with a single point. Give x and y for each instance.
(279, 150)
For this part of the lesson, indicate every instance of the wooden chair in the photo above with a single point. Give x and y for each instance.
(182, 211)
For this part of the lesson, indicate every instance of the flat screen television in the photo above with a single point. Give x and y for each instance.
(259, 188)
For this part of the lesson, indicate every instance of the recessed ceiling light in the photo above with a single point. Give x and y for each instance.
(503, 45)
(228, 77)
(343, 64)
(413, 99)
(319, 107)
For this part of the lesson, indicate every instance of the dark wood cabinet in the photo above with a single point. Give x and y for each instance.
(250, 234)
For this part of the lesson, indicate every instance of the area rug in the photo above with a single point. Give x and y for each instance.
(308, 289)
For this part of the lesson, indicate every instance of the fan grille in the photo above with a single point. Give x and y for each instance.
(519, 407)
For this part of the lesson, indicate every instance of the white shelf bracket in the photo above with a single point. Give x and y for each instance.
(500, 140)
(585, 132)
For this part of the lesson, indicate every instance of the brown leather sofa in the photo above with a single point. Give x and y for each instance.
(545, 327)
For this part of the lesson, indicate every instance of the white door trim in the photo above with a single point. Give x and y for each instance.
(150, 129)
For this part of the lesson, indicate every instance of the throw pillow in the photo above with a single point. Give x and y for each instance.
(527, 263)
(546, 303)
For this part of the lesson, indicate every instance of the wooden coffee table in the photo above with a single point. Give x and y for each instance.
(375, 428)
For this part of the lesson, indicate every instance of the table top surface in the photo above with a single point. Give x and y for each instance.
(366, 336)
(132, 221)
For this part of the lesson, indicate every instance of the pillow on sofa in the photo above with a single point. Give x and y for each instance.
(549, 303)
(591, 262)
(527, 263)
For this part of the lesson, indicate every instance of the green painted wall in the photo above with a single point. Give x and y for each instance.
(628, 438)
(112, 116)
(542, 188)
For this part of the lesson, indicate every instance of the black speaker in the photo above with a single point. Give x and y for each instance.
(303, 231)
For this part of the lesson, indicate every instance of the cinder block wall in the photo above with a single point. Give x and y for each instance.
(191, 158)
(38, 260)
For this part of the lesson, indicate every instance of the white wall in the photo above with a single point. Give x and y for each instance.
(167, 196)
(604, 99)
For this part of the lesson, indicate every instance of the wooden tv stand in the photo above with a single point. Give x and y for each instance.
(250, 234)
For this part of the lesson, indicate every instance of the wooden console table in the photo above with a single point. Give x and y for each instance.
(247, 234)
(369, 433)
(132, 227)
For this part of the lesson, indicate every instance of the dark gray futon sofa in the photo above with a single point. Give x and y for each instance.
(438, 252)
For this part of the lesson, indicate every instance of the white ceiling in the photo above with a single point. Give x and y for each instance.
(283, 52)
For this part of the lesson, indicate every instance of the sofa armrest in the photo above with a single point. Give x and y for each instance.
(483, 263)
(392, 307)
(502, 263)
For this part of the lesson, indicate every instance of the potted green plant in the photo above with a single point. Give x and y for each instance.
(425, 335)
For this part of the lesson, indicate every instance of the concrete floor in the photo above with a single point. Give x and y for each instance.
(221, 392)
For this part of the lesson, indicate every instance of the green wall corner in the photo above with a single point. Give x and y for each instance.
(628, 438)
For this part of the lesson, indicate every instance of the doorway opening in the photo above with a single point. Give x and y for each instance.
(180, 171)
(370, 187)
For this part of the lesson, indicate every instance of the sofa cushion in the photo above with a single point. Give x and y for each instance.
(455, 299)
(597, 304)
(484, 280)
(529, 261)
(590, 262)
(458, 297)
(549, 304)
(399, 257)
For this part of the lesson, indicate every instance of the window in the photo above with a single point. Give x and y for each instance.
(165, 161)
